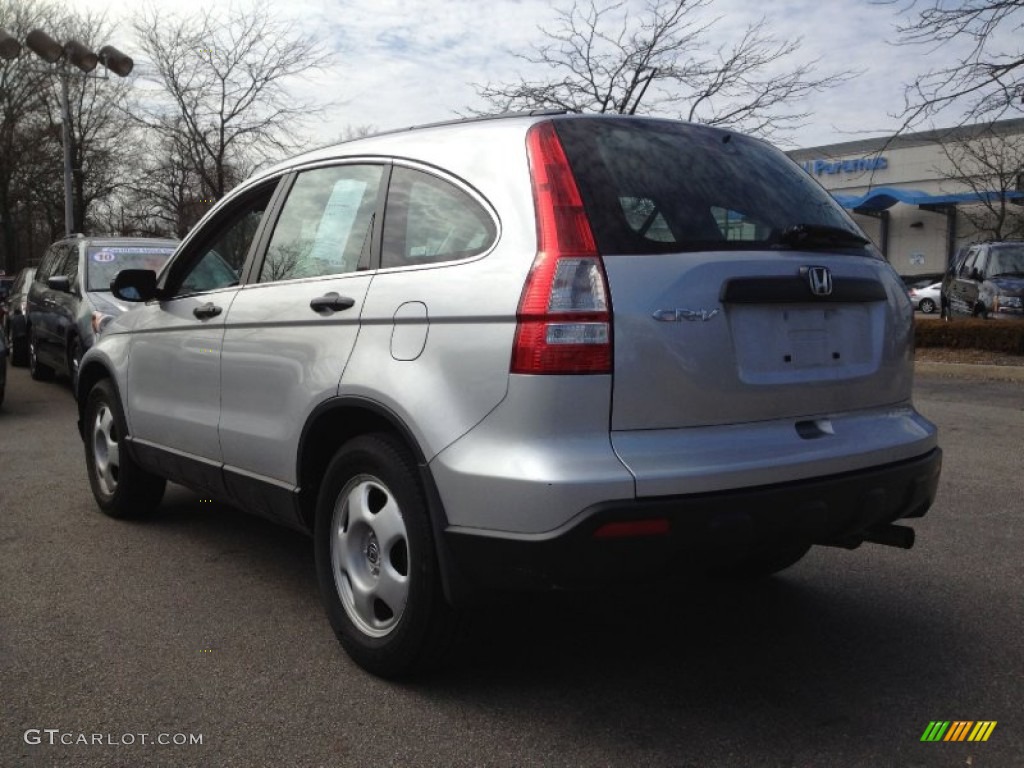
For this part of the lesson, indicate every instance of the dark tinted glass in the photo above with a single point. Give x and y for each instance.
(660, 187)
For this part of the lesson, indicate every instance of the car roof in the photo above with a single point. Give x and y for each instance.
(420, 141)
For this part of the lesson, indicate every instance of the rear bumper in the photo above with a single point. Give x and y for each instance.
(701, 530)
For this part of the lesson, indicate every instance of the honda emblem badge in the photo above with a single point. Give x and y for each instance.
(820, 280)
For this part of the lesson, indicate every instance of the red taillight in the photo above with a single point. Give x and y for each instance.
(564, 317)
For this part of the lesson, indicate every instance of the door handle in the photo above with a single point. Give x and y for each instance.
(206, 311)
(331, 302)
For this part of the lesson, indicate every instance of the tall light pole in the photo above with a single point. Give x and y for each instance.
(71, 53)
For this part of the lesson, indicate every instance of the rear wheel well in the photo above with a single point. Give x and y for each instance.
(326, 433)
(88, 378)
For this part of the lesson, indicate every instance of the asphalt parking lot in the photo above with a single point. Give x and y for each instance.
(204, 622)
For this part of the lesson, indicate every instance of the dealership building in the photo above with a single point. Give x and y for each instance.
(907, 192)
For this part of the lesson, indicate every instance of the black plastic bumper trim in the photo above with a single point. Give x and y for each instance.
(704, 529)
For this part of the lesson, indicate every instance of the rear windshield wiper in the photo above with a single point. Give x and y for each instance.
(1010, 274)
(819, 236)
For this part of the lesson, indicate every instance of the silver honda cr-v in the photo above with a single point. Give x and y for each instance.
(531, 351)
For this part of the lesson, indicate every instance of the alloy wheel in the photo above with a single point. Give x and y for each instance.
(106, 449)
(370, 556)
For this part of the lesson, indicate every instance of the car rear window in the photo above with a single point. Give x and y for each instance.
(662, 187)
(105, 261)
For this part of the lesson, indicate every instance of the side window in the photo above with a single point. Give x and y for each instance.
(325, 223)
(217, 258)
(70, 266)
(430, 220)
(49, 262)
(983, 264)
(969, 263)
(978, 265)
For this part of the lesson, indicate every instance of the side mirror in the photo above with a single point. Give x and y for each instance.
(976, 274)
(134, 285)
(59, 283)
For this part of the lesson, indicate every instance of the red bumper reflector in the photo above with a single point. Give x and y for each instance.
(629, 529)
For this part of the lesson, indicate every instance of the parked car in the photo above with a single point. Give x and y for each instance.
(926, 297)
(15, 317)
(3, 369)
(987, 281)
(922, 280)
(6, 282)
(540, 351)
(69, 301)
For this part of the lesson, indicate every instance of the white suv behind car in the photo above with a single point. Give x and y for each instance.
(531, 351)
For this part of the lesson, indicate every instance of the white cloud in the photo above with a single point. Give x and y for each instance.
(404, 62)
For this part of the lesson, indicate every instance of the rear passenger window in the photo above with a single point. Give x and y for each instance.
(325, 225)
(429, 220)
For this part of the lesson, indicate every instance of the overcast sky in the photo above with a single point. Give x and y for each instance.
(405, 62)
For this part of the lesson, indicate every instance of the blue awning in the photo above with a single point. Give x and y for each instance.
(886, 197)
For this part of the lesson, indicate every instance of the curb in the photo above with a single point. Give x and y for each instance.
(971, 371)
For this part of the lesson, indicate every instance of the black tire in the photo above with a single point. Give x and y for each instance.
(375, 547)
(17, 349)
(927, 306)
(37, 370)
(121, 487)
(767, 560)
(19, 352)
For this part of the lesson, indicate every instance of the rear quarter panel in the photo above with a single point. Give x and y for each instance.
(466, 313)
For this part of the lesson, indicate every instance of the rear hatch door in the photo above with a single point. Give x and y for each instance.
(741, 291)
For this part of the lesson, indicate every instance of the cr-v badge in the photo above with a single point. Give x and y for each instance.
(678, 315)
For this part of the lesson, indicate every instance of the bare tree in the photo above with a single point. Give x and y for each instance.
(159, 194)
(223, 105)
(28, 163)
(601, 57)
(986, 80)
(97, 106)
(990, 165)
(31, 153)
(357, 131)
